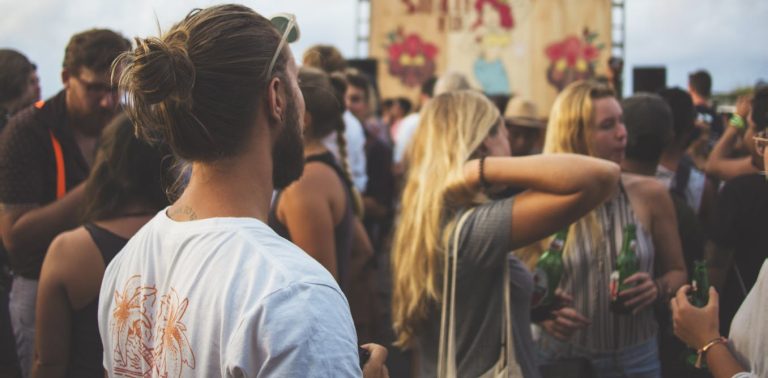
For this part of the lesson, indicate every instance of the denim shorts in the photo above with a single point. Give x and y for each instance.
(636, 361)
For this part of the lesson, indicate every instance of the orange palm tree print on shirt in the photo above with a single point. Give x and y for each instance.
(145, 343)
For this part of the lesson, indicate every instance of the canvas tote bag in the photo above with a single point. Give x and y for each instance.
(506, 365)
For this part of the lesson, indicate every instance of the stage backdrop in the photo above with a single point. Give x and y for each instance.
(529, 48)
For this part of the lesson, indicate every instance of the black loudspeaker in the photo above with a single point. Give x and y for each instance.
(365, 66)
(649, 79)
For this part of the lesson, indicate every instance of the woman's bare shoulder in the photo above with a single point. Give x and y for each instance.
(647, 187)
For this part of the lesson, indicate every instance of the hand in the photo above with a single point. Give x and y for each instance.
(643, 294)
(744, 106)
(542, 313)
(567, 321)
(695, 326)
(375, 367)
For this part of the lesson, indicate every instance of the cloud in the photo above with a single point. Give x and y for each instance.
(41, 28)
(685, 35)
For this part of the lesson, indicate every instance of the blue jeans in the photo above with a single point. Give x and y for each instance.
(22, 310)
(636, 361)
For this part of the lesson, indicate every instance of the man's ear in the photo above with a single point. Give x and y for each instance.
(276, 101)
(65, 75)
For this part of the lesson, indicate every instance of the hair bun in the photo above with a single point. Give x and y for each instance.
(163, 69)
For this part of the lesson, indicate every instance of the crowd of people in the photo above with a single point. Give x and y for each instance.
(201, 204)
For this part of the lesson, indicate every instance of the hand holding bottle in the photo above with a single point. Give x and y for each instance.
(641, 293)
(565, 323)
(695, 326)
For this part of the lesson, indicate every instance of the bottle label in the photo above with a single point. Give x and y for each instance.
(557, 245)
(694, 286)
(614, 285)
(540, 287)
(633, 246)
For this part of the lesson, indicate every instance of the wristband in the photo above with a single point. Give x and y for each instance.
(483, 182)
(700, 353)
(737, 121)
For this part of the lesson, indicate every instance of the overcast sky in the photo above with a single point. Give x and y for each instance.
(724, 36)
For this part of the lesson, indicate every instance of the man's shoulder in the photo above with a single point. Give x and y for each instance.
(36, 120)
(25, 123)
(244, 245)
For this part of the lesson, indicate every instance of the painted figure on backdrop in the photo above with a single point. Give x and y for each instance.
(492, 30)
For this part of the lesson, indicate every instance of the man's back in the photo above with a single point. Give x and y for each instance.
(222, 297)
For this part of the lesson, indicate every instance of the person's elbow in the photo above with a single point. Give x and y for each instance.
(604, 182)
(712, 168)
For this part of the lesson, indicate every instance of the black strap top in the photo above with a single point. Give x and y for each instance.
(342, 231)
(86, 351)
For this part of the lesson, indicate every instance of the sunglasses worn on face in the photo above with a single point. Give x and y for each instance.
(761, 141)
(286, 24)
(96, 89)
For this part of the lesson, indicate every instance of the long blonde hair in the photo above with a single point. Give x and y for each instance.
(570, 130)
(452, 127)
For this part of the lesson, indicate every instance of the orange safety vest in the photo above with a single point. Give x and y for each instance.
(61, 173)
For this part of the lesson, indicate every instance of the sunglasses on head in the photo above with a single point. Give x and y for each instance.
(286, 24)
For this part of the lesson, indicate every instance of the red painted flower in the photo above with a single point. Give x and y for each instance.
(410, 58)
(572, 58)
(572, 48)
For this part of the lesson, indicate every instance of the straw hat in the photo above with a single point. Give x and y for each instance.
(521, 112)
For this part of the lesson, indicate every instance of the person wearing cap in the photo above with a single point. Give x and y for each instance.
(525, 128)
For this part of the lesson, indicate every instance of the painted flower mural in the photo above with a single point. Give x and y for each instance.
(411, 59)
(572, 58)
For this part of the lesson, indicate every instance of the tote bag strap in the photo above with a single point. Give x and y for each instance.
(446, 358)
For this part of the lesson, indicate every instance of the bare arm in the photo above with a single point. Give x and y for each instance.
(719, 260)
(667, 244)
(698, 326)
(720, 163)
(27, 231)
(52, 317)
(563, 188)
(306, 212)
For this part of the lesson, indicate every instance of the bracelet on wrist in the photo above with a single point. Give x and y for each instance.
(701, 352)
(737, 121)
(483, 182)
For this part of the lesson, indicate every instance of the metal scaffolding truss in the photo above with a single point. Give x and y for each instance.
(362, 28)
(618, 28)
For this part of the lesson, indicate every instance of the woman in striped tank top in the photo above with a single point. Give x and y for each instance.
(586, 119)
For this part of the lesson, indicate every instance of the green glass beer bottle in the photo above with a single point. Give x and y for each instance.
(549, 270)
(699, 297)
(627, 264)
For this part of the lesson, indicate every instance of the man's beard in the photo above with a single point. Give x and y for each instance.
(288, 150)
(92, 123)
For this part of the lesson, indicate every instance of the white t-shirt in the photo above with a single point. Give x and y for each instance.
(749, 328)
(355, 136)
(405, 131)
(695, 190)
(222, 297)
